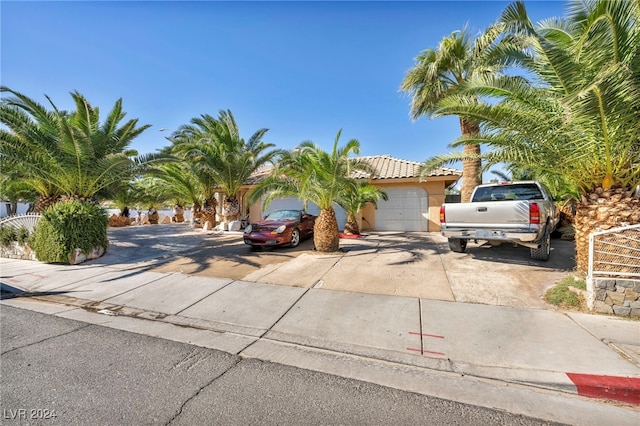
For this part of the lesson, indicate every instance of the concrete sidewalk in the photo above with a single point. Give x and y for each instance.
(574, 353)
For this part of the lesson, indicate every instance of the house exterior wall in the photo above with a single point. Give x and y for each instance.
(434, 187)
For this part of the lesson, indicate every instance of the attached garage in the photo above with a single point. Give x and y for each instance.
(414, 200)
(295, 204)
(406, 210)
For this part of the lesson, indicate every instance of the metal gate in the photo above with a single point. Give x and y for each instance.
(614, 256)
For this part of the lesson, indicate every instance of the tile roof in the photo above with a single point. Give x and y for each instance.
(384, 167)
(388, 167)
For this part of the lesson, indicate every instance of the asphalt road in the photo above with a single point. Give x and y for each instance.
(60, 371)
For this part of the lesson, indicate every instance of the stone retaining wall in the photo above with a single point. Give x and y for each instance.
(616, 296)
(17, 251)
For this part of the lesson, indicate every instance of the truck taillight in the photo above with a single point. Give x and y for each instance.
(442, 213)
(534, 213)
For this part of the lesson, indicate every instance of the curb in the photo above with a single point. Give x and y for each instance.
(623, 389)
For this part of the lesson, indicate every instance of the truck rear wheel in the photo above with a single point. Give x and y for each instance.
(457, 245)
(543, 252)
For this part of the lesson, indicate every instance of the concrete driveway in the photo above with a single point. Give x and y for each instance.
(389, 263)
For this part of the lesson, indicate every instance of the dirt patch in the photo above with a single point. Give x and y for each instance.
(229, 257)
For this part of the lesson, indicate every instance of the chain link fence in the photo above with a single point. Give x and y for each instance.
(615, 252)
(613, 281)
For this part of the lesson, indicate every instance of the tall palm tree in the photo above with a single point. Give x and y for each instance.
(68, 154)
(354, 198)
(317, 176)
(221, 157)
(577, 119)
(439, 72)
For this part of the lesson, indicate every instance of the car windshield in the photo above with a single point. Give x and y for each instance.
(284, 215)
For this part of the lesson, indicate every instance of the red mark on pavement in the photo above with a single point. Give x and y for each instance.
(415, 333)
(433, 352)
(625, 389)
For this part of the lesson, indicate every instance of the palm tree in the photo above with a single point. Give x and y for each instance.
(577, 119)
(314, 175)
(181, 182)
(437, 75)
(221, 158)
(68, 154)
(354, 198)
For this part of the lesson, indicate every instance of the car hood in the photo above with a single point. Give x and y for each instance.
(270, 225)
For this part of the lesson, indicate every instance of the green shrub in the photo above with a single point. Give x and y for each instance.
(22, 236)
(7, 235)
(66, 226)
(561, 295)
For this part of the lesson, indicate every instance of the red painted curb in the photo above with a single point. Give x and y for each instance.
(625, 389)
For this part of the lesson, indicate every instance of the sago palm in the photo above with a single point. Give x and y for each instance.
(439, 72)
(317, 176)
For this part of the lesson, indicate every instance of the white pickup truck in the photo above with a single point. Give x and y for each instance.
(523, 213)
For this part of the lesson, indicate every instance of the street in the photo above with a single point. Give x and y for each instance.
(60, 371)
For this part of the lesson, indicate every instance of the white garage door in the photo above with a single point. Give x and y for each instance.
(406, 210)
(296, 204)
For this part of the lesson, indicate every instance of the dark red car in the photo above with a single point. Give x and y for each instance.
(280, 227)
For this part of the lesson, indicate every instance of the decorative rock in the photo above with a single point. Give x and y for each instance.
(207, 226)
(620, 310)
(77, 257)
(234, 225)
(96, 253)
(601, 294)
(626, 283)
(630, 295)
(602, 308)
(616, 298)
(165, 220)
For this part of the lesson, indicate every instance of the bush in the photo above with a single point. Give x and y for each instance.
(66, 226)
(22, 236)
(7, 235)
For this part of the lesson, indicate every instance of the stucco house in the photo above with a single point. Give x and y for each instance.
(413, 205)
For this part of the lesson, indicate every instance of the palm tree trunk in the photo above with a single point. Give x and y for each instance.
(351, 227)
(472, 168)
(209, 212)
(600, 210)
(326, 237)
(231, 208)
(44, 202)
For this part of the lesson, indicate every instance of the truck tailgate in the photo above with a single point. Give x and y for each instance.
(502, 214)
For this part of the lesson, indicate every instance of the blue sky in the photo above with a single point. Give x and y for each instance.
(303, 70)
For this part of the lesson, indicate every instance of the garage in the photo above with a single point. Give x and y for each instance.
(294, 203)
(406, 210)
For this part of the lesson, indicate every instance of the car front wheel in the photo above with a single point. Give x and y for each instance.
(295, 238)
